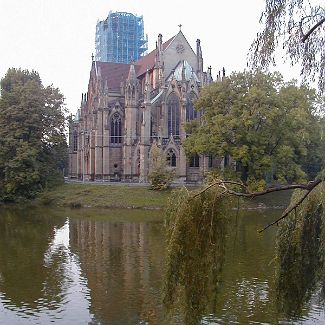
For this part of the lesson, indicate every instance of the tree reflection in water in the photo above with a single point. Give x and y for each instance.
(219, 270)
(26, 279)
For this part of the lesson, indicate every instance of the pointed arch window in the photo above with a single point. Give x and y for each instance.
(171, 158)
(191, 112)
(173, 114)
(75, 141)
(195, 161)
(210, 161)
(116, 128)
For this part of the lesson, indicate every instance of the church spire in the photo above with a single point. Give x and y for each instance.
(159, 63)
(147, 88)
(159, 52)
(132, 76)
(131, 88)
(199, 56)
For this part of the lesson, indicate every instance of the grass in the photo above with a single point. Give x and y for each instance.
(104, 196)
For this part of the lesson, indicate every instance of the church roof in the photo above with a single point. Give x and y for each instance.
(148, 61)
(115, 73)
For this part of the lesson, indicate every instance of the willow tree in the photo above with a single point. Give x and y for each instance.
(299, 27)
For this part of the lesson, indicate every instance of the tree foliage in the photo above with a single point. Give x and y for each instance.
(272, 131)
(160, 176)
(270, 128)
(33, 149)
(299, 26)
(197, 232)
(300, 253)
(196, 241)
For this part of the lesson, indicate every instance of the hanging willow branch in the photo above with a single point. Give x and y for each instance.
(197, 230)
(318, 24)
(224, 185)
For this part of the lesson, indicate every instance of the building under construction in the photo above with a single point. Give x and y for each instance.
(120, 38)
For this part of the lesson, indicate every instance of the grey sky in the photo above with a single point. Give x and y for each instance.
(56, 37)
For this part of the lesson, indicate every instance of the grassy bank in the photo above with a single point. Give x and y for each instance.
(104, 196)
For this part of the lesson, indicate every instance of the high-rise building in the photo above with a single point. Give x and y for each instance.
(120, 38)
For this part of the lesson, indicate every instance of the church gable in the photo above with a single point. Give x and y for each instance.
(178, 50)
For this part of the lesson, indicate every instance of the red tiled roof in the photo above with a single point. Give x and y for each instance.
(148, 61)
(115, 73)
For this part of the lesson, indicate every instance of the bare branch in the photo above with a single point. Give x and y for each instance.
(205, 189)
(308, 187)
(286, 213)
(305, 36)
(222, 184)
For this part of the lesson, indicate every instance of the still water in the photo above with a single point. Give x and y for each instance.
(106, 267)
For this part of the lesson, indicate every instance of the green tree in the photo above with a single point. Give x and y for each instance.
(160, 176)
(300, 254)
(233, 125)
(32, 141)
(270, 128)
(299, 26)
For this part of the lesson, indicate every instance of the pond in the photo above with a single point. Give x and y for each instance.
(67, 266)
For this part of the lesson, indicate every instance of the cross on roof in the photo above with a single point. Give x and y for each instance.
(180, 26)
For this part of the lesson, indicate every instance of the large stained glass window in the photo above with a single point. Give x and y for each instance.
(116, 128)
(173, 114)
(191, 113)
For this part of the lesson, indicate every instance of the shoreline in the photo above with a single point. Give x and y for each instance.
(79, 195)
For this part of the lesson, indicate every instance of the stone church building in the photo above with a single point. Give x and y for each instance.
(128, 107)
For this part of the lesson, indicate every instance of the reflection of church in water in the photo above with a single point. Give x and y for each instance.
(122, 263)
(128, 107)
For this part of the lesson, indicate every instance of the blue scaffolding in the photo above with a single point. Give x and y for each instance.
(120, 38)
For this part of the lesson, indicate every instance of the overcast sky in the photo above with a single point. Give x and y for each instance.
(57, 37)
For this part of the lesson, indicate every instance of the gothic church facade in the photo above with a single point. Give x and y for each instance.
(129, 107)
